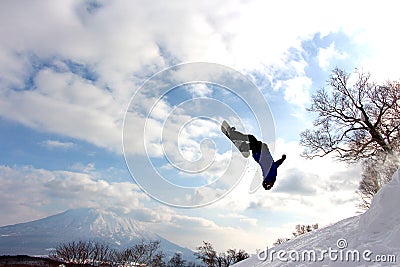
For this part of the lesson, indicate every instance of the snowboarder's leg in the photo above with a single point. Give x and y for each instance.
(251, 142)
(255, 145)
(236, 135)
(243, 146)
(239, 139)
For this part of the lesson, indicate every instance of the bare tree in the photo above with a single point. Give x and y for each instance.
(300, 229)
(233, 256)
(281, 241)
(77, 252)
(303, 229)
(100, 253)
(119, 257)
(377, 171)
(176, 261)
(221, 260)
(145, 252)
(357, 122)
(157, 260)
(211, 258)
(207, 254)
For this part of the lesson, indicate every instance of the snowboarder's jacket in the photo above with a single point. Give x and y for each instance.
(269, 167)
(270, 179)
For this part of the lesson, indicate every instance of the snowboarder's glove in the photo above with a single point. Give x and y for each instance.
(281, 160)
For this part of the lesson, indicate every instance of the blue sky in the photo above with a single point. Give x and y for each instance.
(69, 71)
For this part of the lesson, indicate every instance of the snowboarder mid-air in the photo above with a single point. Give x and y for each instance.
(260, 153)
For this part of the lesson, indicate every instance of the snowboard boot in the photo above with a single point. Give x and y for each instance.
(244, 147)
(230, 131)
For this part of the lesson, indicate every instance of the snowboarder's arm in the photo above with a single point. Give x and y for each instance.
(280, 161)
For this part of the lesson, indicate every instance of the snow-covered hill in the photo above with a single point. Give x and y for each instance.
(37, 237)
(370, 239)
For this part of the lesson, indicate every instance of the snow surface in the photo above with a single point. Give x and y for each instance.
(373, 236)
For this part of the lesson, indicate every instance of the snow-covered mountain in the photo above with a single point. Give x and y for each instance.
(370, 239)
(37, 237)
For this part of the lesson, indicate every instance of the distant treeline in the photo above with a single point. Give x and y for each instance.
(145, 253)
(24, 260)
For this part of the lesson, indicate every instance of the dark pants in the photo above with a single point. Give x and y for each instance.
(255, 145)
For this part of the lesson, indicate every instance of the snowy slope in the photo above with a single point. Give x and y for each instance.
(36, 237)
(370, 239)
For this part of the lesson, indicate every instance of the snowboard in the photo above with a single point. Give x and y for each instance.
(240, 145)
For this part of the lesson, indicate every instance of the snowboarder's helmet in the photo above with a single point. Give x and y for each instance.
(268, 185)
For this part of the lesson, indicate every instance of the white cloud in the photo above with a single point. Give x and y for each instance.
(200, 229)
(321, 190)
(199, 90)
(246, 220)
(79, 115)
(123, 44)
(326, 55)
(29, 193)
(90, 167)
(55, 144)
(297, 90)
(71, 88)
(36, 193)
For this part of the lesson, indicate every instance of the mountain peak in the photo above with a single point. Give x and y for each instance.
(118, 230)
(94, 222)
